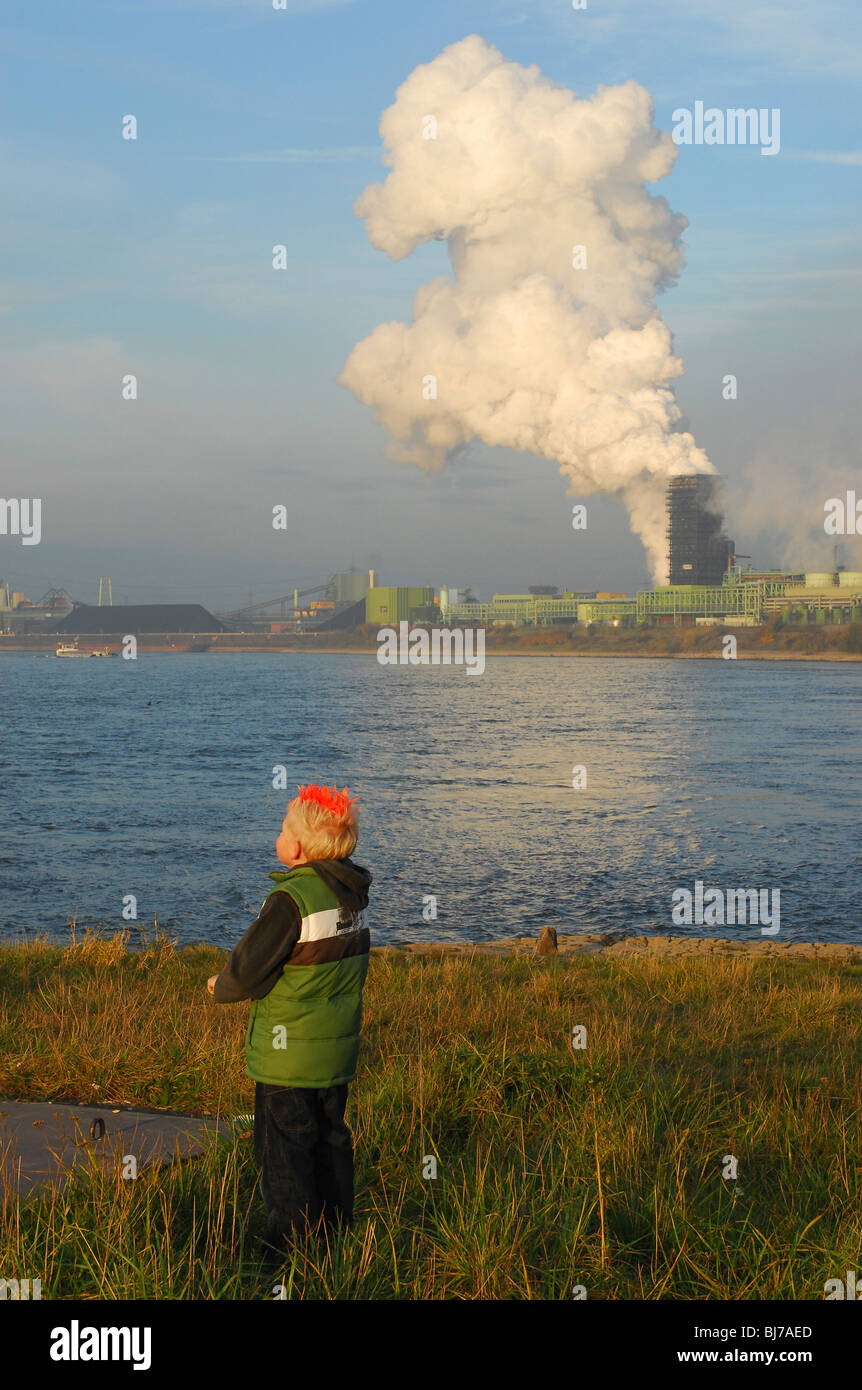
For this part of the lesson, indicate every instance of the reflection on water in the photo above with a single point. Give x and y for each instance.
(742, 774)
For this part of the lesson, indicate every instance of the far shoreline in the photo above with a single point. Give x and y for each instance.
(609, 944)
(220, 649)
(638, 656)
(615, 944)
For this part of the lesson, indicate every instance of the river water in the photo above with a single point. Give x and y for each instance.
(154, 778)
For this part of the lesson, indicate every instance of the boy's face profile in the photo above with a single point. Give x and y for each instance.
(287, 847)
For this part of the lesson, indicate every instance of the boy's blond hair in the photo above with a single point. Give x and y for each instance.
(324, 822)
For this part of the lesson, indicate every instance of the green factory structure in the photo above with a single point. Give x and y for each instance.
(387, 605)
(742, 599)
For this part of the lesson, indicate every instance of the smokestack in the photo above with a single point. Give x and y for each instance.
(699, 551)
(546, 337)
(372, 578)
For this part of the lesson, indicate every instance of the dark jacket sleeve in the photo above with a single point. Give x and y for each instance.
(256, 961)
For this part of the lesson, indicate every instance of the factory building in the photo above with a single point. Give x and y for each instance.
(741, 599)
(390, 604)
(532, 609)
(685, 604)
(698, 550)
(341, 606)
(19, 614)
(348, 587)
(821, 596)
(748, 599)
(540, 610)
(339, 602)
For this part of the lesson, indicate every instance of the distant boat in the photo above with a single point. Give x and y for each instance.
(72, 649)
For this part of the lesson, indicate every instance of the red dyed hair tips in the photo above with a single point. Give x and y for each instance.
(338, 803)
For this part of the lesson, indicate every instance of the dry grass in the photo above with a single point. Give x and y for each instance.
(556, 1166)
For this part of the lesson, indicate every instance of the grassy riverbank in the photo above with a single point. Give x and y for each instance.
(600, 1167)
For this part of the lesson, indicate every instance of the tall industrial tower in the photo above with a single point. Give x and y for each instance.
(105, 580)
(699, 551)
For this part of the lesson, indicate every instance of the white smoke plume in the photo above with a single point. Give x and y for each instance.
(528, 352)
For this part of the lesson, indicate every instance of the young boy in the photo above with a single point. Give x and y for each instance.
(303, 962)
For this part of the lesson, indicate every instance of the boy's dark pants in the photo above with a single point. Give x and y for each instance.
(305, 1153)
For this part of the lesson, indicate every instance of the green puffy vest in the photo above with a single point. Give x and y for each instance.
(305, 1032)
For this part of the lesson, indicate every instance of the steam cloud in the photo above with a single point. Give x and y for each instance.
(528, 352)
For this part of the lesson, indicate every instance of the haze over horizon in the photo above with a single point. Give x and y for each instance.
(259, 128)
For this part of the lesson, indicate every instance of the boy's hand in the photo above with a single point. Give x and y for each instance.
(211, 983)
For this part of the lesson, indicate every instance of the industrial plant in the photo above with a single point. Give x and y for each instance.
(709, 585)
(698, 550)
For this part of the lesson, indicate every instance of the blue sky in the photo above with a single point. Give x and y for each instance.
(258, 127)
